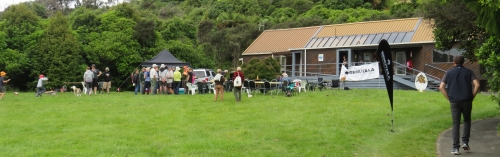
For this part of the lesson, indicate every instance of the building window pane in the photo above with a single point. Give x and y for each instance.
(439, 56)
(445, 56)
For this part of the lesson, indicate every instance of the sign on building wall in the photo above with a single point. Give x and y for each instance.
(320, 57)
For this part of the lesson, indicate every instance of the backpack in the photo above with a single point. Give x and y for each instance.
(217, 77)
(237, 81)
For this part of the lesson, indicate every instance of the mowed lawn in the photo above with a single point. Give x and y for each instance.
(330, 123)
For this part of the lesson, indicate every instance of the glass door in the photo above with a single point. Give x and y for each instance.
(400, 69)
(341, 54)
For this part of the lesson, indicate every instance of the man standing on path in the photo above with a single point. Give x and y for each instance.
(460, 86)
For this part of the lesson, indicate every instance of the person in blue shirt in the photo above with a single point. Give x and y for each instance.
(147, 81)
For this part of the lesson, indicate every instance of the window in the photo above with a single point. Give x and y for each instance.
(200, 74)
(445, 56)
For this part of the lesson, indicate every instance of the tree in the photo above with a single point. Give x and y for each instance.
(487, 14)
(115, 46)
(267, 68)
(454, 24)
(21, 31)
(19, 26)
(488, 58)
(59, 54)
(345, 4)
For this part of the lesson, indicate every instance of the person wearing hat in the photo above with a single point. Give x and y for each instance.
(97, 73)
(2, 81)
(285, 77)
(39, 86)
(153, 74)
(177, 80)
(106, 85)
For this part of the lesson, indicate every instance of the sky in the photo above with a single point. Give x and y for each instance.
(5, 3)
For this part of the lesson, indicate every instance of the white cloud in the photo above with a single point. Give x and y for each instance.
(5, 3)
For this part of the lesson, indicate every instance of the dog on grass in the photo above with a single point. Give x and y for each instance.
(77, 91)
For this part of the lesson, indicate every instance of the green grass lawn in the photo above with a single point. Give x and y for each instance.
(329, 123)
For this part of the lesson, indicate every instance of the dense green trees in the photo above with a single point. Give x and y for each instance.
(266, 68)
(473, 25)
(61, 37)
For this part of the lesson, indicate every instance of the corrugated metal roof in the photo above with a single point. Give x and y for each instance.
(362, 39)
(281, 40)
(372, 27)
(343, 35)
(424, 32)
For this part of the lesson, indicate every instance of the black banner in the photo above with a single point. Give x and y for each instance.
(385, 57)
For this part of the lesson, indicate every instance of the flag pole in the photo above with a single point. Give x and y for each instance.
(392, 121)
(385, 56)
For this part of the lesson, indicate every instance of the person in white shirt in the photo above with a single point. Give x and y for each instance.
(88, 79)
(153, 74)
(170, 80)
(163, 79)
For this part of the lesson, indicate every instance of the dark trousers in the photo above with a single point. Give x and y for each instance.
(457, 110)
(88, 85)
(147, 86)
(237, 93)
(137, 88)
(177, 85)
(39, 91)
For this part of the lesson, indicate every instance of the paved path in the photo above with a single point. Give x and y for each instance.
(484, 140)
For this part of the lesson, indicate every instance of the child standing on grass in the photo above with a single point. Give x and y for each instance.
(39, 86)
(2, 81)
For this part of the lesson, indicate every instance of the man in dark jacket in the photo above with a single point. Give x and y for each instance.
(457, 87)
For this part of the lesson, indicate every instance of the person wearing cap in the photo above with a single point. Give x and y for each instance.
(39, 86)
(2, 82)
(219, 88)
(163, 79)
(87, 78)
(177, 80)
(97, 74)
(106, 85)
(153, 74)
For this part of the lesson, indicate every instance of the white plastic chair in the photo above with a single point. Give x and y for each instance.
(191, 88)
(303, 84)
(211, 87)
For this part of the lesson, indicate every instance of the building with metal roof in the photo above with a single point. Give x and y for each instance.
(319, 50)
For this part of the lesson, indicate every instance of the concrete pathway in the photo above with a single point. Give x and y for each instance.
(484, 140)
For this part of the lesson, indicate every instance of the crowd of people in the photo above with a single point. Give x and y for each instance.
(91, 82)
(164, 80)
